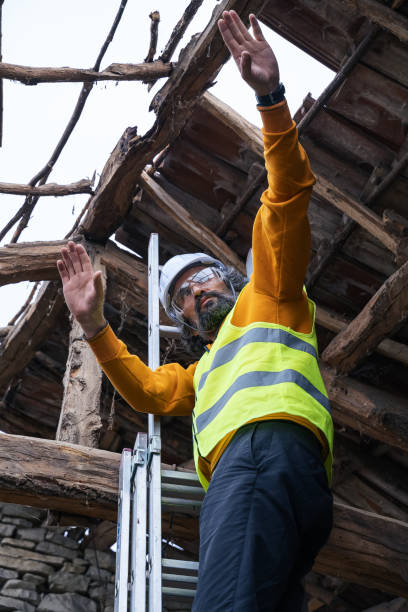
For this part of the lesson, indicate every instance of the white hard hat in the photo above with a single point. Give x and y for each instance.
(175, 266)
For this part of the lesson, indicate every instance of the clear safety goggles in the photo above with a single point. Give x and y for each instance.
(197, 279)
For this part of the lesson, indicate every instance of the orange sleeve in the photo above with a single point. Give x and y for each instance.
(281, 232)
(165, 391)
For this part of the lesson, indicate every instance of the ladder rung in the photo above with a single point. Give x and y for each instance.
(182, 490)
(190, 478)
(175, 592)
(182, 505)
(191, 566)
(179, 578)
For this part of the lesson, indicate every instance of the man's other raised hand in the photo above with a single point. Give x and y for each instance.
(253, 55)
(83, 288)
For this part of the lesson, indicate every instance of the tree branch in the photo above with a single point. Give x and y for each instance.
(154, 27)
(51, 189)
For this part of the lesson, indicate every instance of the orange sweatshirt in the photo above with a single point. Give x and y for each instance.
(281, 245)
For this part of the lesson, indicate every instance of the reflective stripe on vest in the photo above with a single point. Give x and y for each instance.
(260, 379)
(259, 334)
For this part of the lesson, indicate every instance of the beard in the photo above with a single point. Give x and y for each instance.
(214, 311)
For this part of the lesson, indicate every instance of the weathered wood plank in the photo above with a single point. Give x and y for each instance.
(21, 343)
(30, 75)
(196, 231)
(366, 409)
(386, 310)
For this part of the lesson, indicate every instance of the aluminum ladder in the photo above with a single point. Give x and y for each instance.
(143, 578)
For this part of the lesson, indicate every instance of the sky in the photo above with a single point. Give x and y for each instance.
(51, 33)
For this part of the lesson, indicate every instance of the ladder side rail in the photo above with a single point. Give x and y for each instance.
(139, 519)
(123, 533)
(155, 526)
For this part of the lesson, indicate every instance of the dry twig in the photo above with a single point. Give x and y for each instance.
(154, 28)
(41, 177)
(51, 189)
(25, 305)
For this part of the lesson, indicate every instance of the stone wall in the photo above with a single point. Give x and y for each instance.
(45, 569)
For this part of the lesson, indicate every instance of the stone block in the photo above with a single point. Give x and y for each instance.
(25, 512)
(35, 534)
(31, 555)
(18, 543)
(25, 565)
(8, 603)
(67, 602)
(16, 521)
(64, 582)
(56, 549)
(105, 560)
(28, 595)
(7, 531)
(96, 573)
(73, 568)
(34, 579)
(60, 538)
(104, 592)
(6, 574)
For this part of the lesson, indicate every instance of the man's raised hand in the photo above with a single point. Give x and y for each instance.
(83, 289)
(253, 55)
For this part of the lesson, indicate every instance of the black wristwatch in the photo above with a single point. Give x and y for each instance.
(277, 95)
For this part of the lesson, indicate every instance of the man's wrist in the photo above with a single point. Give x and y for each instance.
(271, 98)
(91, 329)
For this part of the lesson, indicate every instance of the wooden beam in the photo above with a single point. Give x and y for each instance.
(336, 323)
(50, 189)
(364, 547)
(369, 410)
(380, 14)
(386, 310)
(174, 105)
(21, 343)
(365, 217)
(29, 75)
(399, 604)
(194, 230)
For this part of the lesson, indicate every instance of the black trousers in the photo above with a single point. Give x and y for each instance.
(266, 514)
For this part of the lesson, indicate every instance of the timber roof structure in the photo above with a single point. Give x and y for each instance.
(196, 178)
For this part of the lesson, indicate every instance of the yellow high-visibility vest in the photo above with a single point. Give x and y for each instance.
(254, 371)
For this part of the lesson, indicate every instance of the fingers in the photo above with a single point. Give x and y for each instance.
(228, 38)
(98, 284)
(256, 27)
(63, 272)
(234, 23)
(238, 23)
(245, 65)
(75, 259)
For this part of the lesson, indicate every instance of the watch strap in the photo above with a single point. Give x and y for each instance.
(274, 97)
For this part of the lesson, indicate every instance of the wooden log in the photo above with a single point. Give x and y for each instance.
(80, 418)
(29, 261)
(196, 231)
(386, 310)
(174, 105)
(387, 347)
(366, 409)
(154, 27)
(364, 547)
(29, 75)
(365, 217)
(50, 189)
(21, 343)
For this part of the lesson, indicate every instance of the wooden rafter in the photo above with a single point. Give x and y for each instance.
(30, 75)
(364, 547)
(386, 310)
(380, 14)
(174, 105)
(198, 233)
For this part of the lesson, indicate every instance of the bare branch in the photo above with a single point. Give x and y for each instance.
(154, 28)
(179, 29)
(51, 189)
(41, 177)
(30, 75)
(24, 306)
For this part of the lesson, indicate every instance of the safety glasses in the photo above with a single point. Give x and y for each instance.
(198, 278)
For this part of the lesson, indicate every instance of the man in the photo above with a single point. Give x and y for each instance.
(262, 429)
